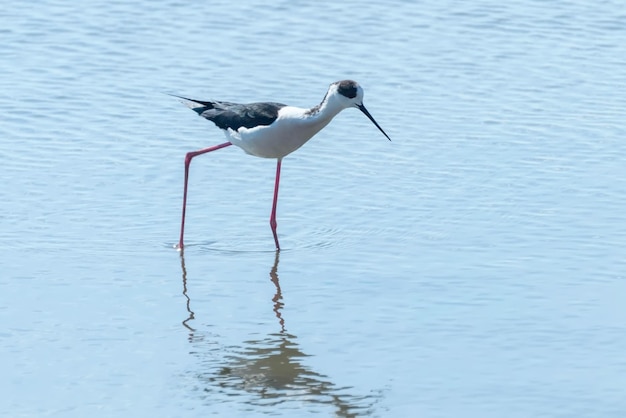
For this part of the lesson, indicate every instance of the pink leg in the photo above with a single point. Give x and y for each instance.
(273, 215)
(188, 158)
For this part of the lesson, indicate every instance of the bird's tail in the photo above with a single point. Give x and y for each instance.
(197, 106)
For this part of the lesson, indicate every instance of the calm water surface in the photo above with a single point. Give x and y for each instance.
(473, 267)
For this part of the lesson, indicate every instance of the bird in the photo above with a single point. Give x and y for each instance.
(271, 130)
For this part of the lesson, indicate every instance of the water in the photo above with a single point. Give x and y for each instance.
(472, 267)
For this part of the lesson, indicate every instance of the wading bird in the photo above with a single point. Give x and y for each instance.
(272, 130)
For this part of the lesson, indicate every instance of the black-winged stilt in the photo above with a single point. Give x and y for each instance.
(272, 130)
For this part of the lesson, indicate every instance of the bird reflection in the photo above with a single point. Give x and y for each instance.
(269, 368)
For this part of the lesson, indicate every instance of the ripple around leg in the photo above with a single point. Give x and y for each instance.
(234, 246)
(304, 239)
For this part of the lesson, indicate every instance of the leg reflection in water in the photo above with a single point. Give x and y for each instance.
(270, 371)
(278, 297)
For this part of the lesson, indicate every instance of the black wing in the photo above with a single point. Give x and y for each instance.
(227, 115)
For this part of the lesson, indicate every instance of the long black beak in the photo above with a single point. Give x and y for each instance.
(370, 117)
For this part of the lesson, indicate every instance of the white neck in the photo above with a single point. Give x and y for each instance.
(325, 111)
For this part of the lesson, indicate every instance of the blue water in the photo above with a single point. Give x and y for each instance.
(472, 267)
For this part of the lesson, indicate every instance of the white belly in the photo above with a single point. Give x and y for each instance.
(292, 129)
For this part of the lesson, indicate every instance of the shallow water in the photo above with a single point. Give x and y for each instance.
(472, 267)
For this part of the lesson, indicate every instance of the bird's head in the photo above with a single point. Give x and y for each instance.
(348, 93)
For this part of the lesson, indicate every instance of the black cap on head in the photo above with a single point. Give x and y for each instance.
(347, 88)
